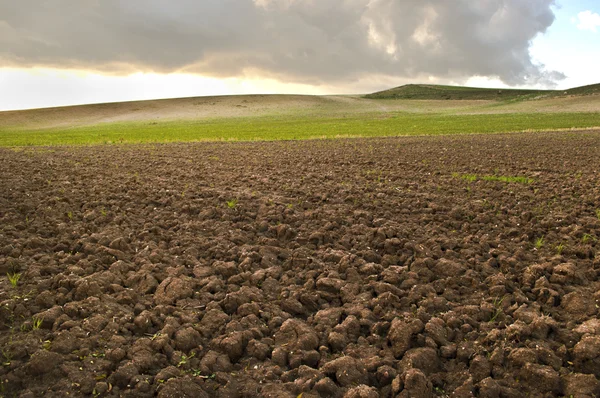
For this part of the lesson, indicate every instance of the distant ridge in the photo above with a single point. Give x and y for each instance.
(584, 90)
(440, 92)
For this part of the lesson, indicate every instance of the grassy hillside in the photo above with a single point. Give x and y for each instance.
(584, 90)
(292, 117)
(429, 92)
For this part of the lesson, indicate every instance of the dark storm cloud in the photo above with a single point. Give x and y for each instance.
(310, 41)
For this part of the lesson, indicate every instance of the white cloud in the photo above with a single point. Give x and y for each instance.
(314, 42)
(588, 21)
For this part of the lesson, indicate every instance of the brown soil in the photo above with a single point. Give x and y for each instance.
(351, 268)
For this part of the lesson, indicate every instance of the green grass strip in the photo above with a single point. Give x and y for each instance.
(298, 128)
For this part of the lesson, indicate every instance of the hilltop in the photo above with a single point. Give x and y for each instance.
(440, 92)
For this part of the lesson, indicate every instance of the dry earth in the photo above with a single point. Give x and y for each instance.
(349, 268)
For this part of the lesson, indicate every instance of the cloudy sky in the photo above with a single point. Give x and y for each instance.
(60, 52)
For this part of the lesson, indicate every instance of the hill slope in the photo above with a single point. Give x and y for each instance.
(430, 92)
(438, 92)
(584, 90)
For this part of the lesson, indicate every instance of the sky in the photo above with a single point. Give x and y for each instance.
(66, 52)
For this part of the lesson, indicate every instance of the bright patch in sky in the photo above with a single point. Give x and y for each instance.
(41, 87)
(588, 21)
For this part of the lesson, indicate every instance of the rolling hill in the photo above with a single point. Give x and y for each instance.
(439, 92)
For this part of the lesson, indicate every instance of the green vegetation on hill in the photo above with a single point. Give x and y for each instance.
(439, 92)
(429, 92)
(584, 90)
(284, 117)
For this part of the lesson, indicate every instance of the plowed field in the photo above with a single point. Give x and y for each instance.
(399, 267)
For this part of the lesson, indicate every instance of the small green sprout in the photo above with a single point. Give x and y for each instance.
(184, 359)
(7, 358)
(37, 323)
(13, 278)
(539, 242)
(559, 248)
(588, 238)
(232, 203)
(498, 307)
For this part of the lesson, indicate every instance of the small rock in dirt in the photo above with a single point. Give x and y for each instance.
(578, 305)
(423, 358)
(187, 339)
(276, 391)
(588, 348)
(101, 388)
(167, 373)
(182, 388)
(337, 341)
(581, 385)
(293, 307)
(401, 333)
(385, 375)
(350, 327)
(45, 299)
(327, 388)
(436, 329)
(448, 351)
(347, 371)
(40, 362)
(214, 362)
(541, 378)
(416, 385)
(142, 282)
(122, 376)
(143, 321)
(489, 388)
(465, 390)
(480, 368)
(233, 344)
(591, 326)
(115, 355)
(362, 391)
(526, 313)
(296, 335)
(258, 350)
(330, 285)
(49, 316)
(548, 357)
(465, 351)
(327, 318)
(587, 355)
(119, 244)
(225, 269)
(445, 268)
(520, 356)
(213, 321)
(65, 343)
(565, 273)
(171, 290)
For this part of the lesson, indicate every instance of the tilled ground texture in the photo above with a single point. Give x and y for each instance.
(404, 267)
